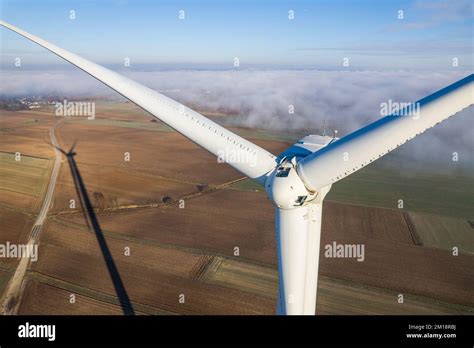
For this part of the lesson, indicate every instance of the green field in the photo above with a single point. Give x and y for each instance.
(444, 232)
(28, 176)
(122, 108)
(375, 185)
(152, 126)
(247, 185)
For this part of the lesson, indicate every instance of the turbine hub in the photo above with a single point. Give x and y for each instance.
(285, 188)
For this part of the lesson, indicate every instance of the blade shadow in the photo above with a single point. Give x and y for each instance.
(93, 222)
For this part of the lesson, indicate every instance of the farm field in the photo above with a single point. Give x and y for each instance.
(244, 276)
(335, 296)
(56, 301)
(195, 226)
(346, 298)
(153, 276)
(152, 126)
(23, 182)
(14, 229)
(4, 278)
(150, 152)
(390, 252)
(402, 267)
(213, 222)
(163, 248)
(444, 232)
(423, 192)
(26, 132)
(105, 187)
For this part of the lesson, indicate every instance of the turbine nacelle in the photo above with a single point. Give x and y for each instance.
(285, 188)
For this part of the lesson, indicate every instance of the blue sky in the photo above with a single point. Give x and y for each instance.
(259, 33)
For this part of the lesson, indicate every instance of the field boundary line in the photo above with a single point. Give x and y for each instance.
(411, 228)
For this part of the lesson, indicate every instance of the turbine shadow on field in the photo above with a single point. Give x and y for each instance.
(91, 219)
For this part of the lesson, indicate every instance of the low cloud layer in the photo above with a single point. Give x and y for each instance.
(347, 100)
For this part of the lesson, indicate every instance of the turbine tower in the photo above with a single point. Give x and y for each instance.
(297, 180)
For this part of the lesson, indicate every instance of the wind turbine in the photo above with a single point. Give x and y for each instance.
(298, 179)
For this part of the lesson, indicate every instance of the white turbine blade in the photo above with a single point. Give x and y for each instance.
(292, 237)
(351, 153)
(248, 158)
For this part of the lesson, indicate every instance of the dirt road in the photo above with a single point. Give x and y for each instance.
(13, 292)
